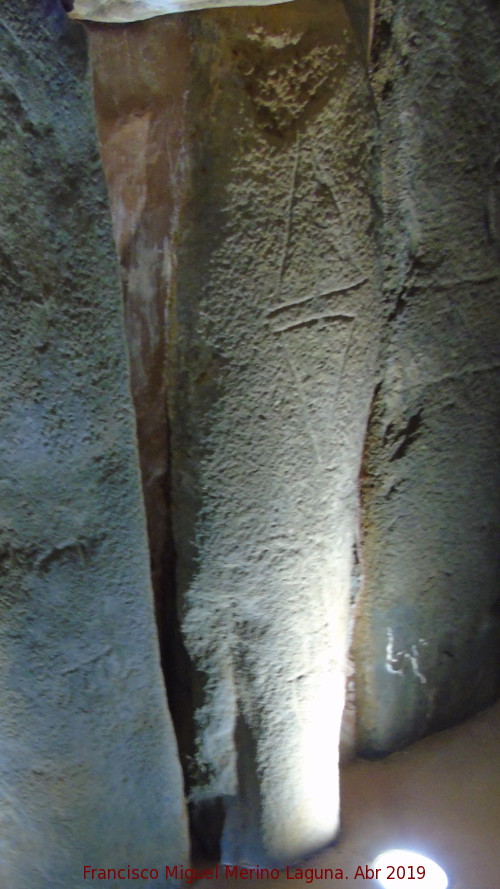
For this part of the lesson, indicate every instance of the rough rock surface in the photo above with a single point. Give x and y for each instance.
(88, 761)
(269, 281)
(428, 627)
(260, 122)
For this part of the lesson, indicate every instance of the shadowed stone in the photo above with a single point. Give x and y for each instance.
(88, 761)
(428, 628)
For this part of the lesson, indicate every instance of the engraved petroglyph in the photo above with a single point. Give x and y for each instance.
(467, 371)
(283, 83)
(345, 355)
(487, 278)
(90, 660)
(335, 291)
(288, 217)
(289, 314)
(305, 405)
(312, 319)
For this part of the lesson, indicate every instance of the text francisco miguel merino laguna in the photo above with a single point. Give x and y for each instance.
(225, 872)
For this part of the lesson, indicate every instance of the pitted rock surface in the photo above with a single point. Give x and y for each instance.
(89, 770)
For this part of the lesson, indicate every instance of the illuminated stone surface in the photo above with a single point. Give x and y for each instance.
(237, 146)
(89, 772)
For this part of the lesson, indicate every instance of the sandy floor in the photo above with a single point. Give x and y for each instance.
(440, 797)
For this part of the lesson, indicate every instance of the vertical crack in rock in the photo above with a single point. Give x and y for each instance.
(140, 83)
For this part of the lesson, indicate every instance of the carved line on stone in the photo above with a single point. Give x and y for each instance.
(346, 239)
(480, 369)
(304, 299)
(343, 364)
(91, 660)
(485, 279)
(313, 319)
(307, 419)
(289, 214)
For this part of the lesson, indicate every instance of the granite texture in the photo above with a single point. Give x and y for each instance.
(89, 770)
(241, 143)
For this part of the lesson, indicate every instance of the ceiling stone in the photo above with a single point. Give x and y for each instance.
(136, 10)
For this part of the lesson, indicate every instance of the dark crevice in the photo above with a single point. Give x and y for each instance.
(155, 459)
(407, 436)
(175, 661)
(382, 36)
(366, 475)
(399, 307)
(206, 818)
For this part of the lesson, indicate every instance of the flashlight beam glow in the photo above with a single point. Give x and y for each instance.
(400, 867)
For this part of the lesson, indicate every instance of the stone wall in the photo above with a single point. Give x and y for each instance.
(428, 627)
(242, 143)
(309, 257)
(268, 158)
(88, 761)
